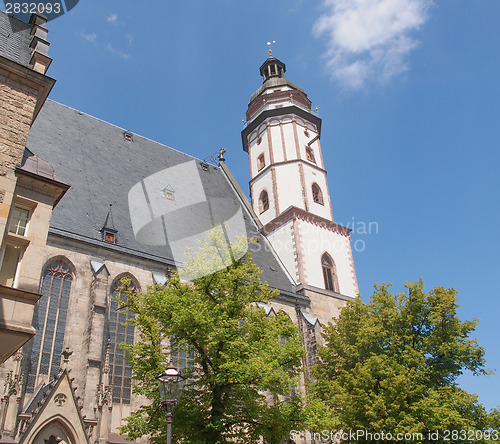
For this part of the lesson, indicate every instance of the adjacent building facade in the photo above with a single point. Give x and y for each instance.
(82, 205)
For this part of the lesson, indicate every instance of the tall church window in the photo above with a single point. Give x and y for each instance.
(263, 202)
(182, 357)
(120, 332)
(329, 273)
(317, 194)
(50, 323)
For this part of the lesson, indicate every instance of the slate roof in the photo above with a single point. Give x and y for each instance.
(102, 166)
(15, 39)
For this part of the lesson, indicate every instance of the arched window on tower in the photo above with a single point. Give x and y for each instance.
(50, 323)
(263, 202)
(120, 331)
(329, 273)
(317, 194)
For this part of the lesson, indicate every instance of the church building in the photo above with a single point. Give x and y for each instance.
(84, 203)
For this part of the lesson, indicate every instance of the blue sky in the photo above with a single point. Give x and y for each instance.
(408, 91)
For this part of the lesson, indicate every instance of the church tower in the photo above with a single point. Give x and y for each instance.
(289, 190)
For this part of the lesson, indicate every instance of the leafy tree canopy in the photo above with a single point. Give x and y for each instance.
(391, 365)
(245, 363)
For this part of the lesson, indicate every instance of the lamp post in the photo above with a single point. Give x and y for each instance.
(170, 386)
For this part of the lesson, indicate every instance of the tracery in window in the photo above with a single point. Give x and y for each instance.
(120, 332)
(329, 273)
(50, 323)
(317, 194)
(263, 202)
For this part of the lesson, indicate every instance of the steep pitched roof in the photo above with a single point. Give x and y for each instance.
(15, 39)
(102, 167)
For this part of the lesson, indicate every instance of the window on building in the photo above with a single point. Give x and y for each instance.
(50, 323)
(11, 262)
(120, 370)
(261, 162)
(329, 273)
(19, 221)
(182, 357)
(310, 155)
(317, 194)
(263, 202)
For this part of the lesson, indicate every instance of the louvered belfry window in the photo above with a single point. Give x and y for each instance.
(50, 323)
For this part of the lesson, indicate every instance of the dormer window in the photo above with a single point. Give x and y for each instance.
(168, 192)
(109, 235)
(261, 162)
(310, 155)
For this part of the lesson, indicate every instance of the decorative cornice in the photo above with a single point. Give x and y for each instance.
(296, 213)
(278, 112)
(41, 184)
(287, 162)
(41, 82)
(303, 287)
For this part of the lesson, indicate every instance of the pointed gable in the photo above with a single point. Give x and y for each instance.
(57, 416)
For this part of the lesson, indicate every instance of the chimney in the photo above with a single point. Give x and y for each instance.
(40, 59)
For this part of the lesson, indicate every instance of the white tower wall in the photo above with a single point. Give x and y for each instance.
(299, 222)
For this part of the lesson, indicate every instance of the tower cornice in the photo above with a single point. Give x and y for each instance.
(292, 109)
(293, 213)
(286, 162)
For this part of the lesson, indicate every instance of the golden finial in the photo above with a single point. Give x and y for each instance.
(270, 50)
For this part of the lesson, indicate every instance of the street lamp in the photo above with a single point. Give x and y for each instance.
(170, 386)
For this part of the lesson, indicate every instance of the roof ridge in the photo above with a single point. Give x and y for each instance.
(124, 129)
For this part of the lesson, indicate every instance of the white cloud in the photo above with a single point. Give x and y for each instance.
(369, 39)
(112, 18)
(90, 37)
(119, 53)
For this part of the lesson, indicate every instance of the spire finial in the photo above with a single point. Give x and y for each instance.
(222, 151)
(270, 50)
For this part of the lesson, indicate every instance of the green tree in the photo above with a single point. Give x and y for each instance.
(391, 365)
(245, 363)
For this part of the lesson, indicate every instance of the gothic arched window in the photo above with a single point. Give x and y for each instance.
(50, 323)
(120, 331)
(317, 194)
(263, 202)
(329, 273)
